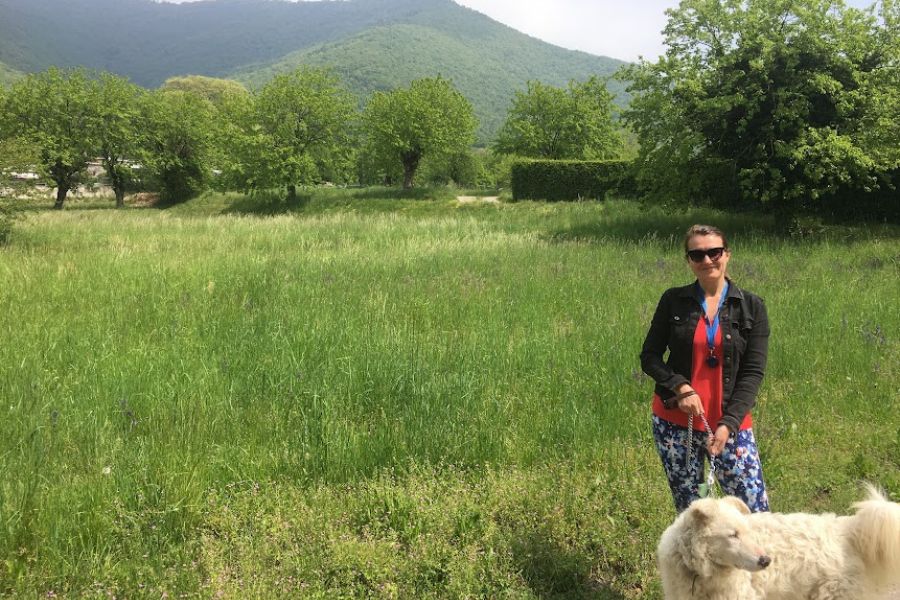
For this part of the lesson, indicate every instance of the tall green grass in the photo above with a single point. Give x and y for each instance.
(362, 394)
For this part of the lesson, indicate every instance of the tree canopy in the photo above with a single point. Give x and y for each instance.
(56, 113)
(214, 89)
(768, 100)
(428, 118)
(120, 129)
(294, 131)
(178, 146)
(557, 123)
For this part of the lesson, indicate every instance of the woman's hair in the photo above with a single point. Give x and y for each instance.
(704, 230)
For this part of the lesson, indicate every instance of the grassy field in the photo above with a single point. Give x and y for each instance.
(365, 395)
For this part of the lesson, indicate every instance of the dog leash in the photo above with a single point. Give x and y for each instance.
(708, 488)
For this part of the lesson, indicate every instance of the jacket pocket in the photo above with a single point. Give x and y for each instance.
(680, 332)
(739, 337)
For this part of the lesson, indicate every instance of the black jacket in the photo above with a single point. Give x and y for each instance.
(745, 344)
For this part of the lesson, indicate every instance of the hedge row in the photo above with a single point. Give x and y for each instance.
(571, 179)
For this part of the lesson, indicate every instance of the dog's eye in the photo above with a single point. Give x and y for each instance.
(735, 534)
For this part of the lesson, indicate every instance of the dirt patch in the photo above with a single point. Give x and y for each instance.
(144, 199)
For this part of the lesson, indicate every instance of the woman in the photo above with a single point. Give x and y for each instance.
(717, 336)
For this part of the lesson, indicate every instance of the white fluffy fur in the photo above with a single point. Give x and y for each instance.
(717, 550)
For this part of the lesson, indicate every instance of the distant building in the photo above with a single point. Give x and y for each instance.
(24, 176)
(95, 169)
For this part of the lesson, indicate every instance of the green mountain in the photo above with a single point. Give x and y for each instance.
(150, 41)
(383, 58)
(372, 44)
(7, 75)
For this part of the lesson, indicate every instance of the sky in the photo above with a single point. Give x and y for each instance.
(616, 28)
(623, 30)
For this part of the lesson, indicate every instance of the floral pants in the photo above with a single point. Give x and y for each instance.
(738, 469)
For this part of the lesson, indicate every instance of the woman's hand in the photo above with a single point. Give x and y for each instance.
(717, 442)
(690, 404)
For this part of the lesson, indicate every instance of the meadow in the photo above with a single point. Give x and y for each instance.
(370, 394)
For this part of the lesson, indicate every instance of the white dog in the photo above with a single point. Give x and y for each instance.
(717, 550)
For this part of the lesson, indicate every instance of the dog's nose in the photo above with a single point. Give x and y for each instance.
(764, 561)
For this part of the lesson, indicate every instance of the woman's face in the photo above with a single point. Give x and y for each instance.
(707, 269)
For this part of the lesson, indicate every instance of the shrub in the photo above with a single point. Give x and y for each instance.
(178, 183)
(852, 202)
(570, 179)
(499, 167)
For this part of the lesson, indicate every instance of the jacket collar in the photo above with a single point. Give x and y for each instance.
(689, 291)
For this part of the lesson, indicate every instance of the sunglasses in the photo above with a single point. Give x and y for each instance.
(714, 254)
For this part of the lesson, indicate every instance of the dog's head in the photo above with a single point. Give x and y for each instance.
(713, 534)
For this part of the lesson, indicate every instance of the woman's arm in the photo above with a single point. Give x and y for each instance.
(655, 345)
(752, 368)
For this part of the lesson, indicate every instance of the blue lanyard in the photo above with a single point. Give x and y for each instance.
(712, 328)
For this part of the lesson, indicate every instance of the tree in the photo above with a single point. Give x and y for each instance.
(430, 117)
(374, 168)
(55, 112)
(767, 101)
(213, 89)
(464, 168)
(119, 132)
(294, 131)
(556, 123)
(880, 131)
(178, 142)
(15, 156)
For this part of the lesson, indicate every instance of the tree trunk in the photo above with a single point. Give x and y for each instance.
(118, 185)
(62, 176)
(61, 192)
(292, 193)
(410, 165)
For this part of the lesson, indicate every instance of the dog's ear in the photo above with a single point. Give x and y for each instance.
(737, 503)
(683, 540)
(700, 513)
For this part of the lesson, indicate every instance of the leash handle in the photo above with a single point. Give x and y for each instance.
(708, 488)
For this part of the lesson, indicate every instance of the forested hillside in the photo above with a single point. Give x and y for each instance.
(373, 44)
(8, 75)
(486, 72)
(149, 41)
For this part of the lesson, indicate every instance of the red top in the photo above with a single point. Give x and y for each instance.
(706, 381)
